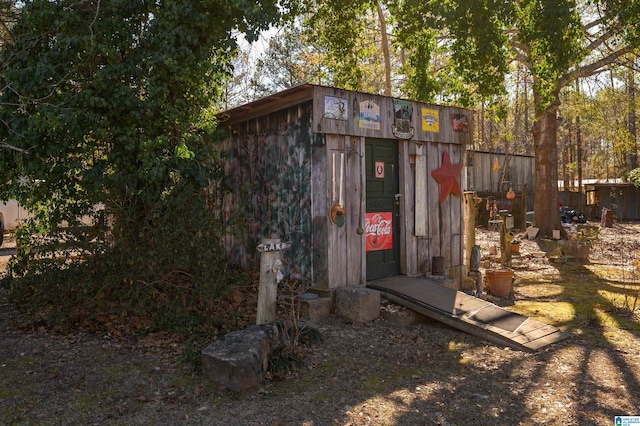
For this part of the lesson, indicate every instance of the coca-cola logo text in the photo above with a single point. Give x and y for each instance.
(378, 231)
(378, 226)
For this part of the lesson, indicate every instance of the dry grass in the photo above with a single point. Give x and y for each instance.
(375, 373)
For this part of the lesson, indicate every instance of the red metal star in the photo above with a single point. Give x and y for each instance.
(447, 177)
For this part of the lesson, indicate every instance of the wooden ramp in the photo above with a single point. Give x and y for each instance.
(469, 314)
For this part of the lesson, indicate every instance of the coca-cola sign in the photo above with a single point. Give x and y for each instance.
(379, 231)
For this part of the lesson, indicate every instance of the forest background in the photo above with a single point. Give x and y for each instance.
(597, 113)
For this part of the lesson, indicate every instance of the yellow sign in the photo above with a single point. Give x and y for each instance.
(430, 120)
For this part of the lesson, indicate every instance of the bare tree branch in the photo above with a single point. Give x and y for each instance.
(590, 69)
(95, 18)
(595, 44)
(593, 24)
(521, 52)
(15, 148)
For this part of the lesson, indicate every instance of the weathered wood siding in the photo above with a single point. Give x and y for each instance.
(269, 170)
(345, 247)
(435, 229)
(623, 199)
(349, 123)
(481, 178)
(443, 223)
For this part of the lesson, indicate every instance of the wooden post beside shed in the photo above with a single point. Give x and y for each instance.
(270, 265)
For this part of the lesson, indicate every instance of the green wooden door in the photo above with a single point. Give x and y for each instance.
(382, 228)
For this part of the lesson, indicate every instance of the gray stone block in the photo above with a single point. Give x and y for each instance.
(355, 304)
(316, 308)
(239, 360)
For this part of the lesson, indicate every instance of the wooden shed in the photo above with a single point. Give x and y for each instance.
(621, 197)
(363, 186)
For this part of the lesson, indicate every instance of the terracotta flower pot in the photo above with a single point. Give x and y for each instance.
(515, 248)
(499, 281)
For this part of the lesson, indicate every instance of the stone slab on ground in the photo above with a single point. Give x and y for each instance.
(239, 360)
(357, 304)
(532, 232)
(577, 249)
(401, 316)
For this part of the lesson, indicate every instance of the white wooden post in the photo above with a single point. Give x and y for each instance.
(270, 264)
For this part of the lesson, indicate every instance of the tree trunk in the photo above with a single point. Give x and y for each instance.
(545, 127)
(481, 126)
(579, 145)
(631, 91)
(526, 113)
(565, 151)
(385, 51)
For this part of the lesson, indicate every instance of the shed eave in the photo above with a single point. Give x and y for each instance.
(275, 102)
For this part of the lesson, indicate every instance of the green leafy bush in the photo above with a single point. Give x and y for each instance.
(110, 105)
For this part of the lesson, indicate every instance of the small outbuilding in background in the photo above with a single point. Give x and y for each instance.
(621, 199)
(363, 186)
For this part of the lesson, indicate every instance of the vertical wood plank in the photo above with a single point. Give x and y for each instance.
(422, 178)
(408, 242)
(424, 255)
(361, 213)
(336, 244)
(459, 269)
(446, 231)
(523, 207)
(456, 214)
(320, 217)
(434, 159)
(420, 192)
(479, 163)
(354, 211)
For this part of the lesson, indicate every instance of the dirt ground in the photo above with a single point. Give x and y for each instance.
(361, 374)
